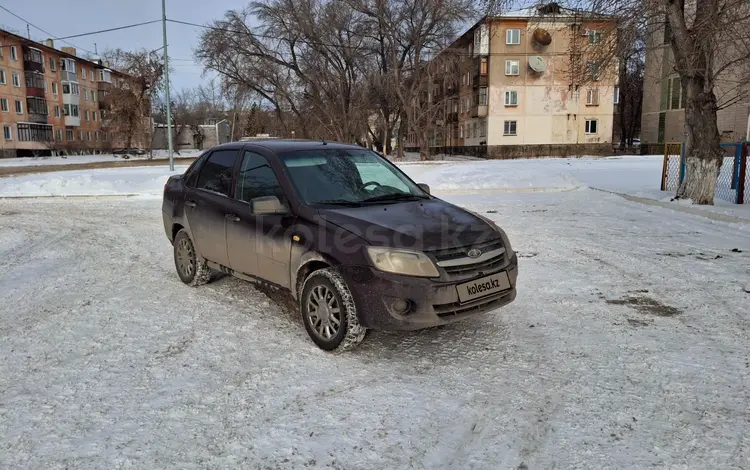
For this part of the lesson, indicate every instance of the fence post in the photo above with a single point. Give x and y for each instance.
(736, 165)
(741, 177)
(664, 170)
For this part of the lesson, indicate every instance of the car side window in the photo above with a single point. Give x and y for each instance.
(191, 174)
(257, 179)
(216, 172)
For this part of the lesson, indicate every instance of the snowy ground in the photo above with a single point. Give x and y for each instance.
(628, 346)
(77, 159)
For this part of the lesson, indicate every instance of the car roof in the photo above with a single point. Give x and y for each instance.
(287, 145)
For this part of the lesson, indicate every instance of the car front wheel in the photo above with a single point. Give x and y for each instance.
(329, 312)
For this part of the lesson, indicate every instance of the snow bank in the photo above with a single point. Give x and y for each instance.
(143, 181)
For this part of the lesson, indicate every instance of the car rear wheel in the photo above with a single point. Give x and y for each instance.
(191, 268)
(329, 312)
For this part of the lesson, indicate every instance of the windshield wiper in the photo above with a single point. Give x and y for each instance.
(339, 202)
(395, 197)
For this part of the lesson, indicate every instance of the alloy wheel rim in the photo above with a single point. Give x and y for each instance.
(185, 257)
(323, 312)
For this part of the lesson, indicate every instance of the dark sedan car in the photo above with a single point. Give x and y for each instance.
(358, 243)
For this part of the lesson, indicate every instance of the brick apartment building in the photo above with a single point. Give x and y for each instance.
(663, 114)
(52, 101)
(521, 91)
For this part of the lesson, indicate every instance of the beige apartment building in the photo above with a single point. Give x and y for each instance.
(527, 87)
(663, 114)
(52, 101)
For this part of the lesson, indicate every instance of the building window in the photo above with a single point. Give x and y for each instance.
(616, 99)
(34, 132)
(54, 88)
(2, 77)
(57, 111)
(511, 98)
(36, 105)
(512, 67)
(93, 95)
(13, 53)
(594, 70)
(1, 49)
(483, 128)
(592, 126)
(88, 136)
(19, 107)
(16, 79)
(7, 133)
(676, 94)
(85, 94)
(512, 36)
(93, 115)
(58, 134)
(70, 110)
(86, 115)
(52, 64)
(80, 136)
(69, 135)
(4, 105)
(461, 131)
(595, 36)
(510, 127)
(483, 66)
(96, 136)
(83, 73)
(483, 96)
(592, 97)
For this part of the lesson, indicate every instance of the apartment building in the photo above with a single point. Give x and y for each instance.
(663, 112)
(51, 101)
(528, 86)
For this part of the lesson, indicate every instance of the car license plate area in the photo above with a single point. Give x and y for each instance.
(482, 287)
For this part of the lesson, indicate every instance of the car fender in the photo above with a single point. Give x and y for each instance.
(301, 265)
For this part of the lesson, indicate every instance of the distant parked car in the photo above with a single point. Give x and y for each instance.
(129, 151)
(358, 243)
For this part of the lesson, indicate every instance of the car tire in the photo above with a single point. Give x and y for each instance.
(191, 268)
(333, 326)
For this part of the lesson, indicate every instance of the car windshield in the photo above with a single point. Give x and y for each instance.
(347, 177)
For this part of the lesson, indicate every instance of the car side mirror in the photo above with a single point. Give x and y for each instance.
(424, 187)
(266, 205)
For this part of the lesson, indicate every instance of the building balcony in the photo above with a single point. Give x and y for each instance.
(480, 80)
(37, 118)
(68, 76)
(72, 121)
(478, 111)
(32, 60)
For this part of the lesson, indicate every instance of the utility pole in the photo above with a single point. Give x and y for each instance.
(166, 78)
(28, 31)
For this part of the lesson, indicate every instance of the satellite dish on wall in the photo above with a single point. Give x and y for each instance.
(542, 36)
(537, 63)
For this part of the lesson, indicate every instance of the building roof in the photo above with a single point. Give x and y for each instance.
(45, 48)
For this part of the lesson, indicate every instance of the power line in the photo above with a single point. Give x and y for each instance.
(109, 29)
(45, 32)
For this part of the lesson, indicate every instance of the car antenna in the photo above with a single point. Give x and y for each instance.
(323, 140)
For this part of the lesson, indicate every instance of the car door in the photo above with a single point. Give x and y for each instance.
(259, 245)
(206, 205)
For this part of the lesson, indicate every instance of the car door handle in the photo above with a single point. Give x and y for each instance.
(190, 203)
(233, 217)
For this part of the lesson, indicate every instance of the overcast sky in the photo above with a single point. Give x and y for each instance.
(67, 18)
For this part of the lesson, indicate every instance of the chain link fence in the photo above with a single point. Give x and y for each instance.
(732, 184)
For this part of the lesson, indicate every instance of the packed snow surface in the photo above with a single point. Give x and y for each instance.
(627, 347)
(80, 159)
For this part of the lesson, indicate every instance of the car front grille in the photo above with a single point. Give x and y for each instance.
(457, 265)
(457, 309)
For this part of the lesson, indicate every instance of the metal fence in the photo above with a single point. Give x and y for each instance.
(732, 184)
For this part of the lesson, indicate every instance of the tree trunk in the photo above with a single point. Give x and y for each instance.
(621, 101)
(703, 149)
(424, 148)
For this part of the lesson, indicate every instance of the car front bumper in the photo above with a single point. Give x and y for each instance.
(433, 303)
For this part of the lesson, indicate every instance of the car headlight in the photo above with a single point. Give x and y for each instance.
(398, 261)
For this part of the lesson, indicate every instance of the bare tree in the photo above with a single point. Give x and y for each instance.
(708, 48)
(128, 104)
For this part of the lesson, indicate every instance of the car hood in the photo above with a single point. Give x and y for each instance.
(420, 225)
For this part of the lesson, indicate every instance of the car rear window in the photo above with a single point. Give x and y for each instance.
(216, 173)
